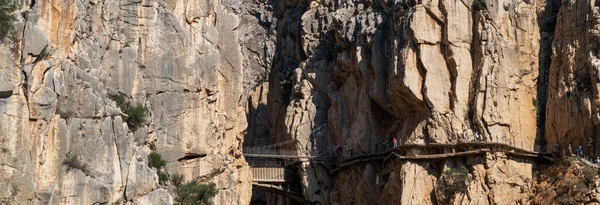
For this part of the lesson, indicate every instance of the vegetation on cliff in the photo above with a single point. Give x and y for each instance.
(7, 7)
(455, 180)
(137, 114)
(479, 5)
(72, 162)
(155, 160)
(190, 193)
(567, 182)
(193, 193)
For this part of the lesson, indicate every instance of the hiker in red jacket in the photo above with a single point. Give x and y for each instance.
(395, 143)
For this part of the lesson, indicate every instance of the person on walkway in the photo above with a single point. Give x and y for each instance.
(580, 152)
(395, 143)
(598, 161)
(570, 150)
(556, 148)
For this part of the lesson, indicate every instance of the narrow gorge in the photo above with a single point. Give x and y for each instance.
(480, 98)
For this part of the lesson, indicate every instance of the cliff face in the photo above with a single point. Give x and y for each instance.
(357, 73)
(325, 73)
(437, 73)
(188, 61)
(572, 112)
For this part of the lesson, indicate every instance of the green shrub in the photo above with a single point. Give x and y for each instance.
(176, 179)
(583, 83)
(7, 7)
(567, 200)
(155, 160)
(479, 5)
(193, 193)
(565, 186)
(162, 177)
(72, 162)
(120, 100)
(564, 163)
(571, 191)
(262, 77)
(285, 82)
(137, 114)
(589, 174)
(285, 79)
(456, 180)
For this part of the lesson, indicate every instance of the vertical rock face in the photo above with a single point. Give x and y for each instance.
(64, 140)
(322, 72)
(441, 72)
(359, 73)
(572, 112)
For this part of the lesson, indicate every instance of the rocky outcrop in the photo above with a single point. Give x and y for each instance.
(359, 73)
(64, 141)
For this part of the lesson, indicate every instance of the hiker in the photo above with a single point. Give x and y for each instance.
(598, 161)
(395, 143)
(580, 152)
(556, 148)
(315, 149)
(570, 151)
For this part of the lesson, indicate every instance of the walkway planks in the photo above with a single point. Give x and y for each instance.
(270, 175)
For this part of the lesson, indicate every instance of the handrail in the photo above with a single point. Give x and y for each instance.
(433, 151)
(268, 151)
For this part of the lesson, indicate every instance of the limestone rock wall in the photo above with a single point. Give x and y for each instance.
(189, 61)
(358, 73)
(572, 112)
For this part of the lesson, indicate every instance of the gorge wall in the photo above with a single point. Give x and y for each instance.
(64, 141)
(358, 73)
(216, 74)
(573, 101)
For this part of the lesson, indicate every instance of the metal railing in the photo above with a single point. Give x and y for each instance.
(268, 174)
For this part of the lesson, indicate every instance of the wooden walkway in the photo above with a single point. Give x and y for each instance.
(433, 152)
(270, 178)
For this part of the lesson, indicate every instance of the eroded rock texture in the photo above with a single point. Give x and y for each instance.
(357, 73)
(572, 112)
(189, 61)
(323, 72)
